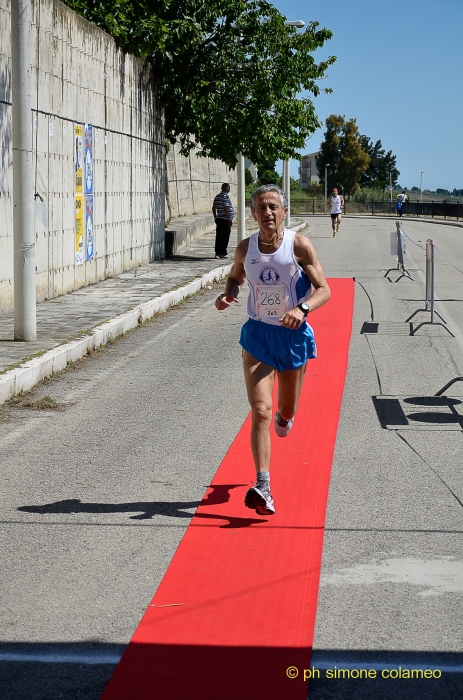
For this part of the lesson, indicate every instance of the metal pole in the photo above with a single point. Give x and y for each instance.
(421, 185)
(429, 273)
(287, 189)
(431, 262)
(241, 233)
(429, 302)
(25, 326)
(326, 185)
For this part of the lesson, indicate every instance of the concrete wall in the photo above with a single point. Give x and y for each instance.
(80, 77)
(194, 182)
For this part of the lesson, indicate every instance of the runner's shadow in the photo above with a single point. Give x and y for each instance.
(234, 523)
(219, 494)
(148, 509)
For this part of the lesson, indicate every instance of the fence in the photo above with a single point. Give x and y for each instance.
(429, 306)
(429, 300)
(429, 210)
(398, 248)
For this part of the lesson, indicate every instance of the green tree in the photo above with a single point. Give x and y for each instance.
(269, 177)
(382, 167)
(342, 149)
(230, 72)
(248, 179)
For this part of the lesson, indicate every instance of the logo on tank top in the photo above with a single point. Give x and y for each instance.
(269, 275)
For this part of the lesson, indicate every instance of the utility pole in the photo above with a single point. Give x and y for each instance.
(326, 184)
(241, 222)
(286, 178)
(421, 185)
(25, 327)
(286, 182)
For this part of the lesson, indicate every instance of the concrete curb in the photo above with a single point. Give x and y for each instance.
(299, 227)
(30, 373)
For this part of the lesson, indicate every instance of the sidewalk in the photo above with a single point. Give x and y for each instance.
(71, 325)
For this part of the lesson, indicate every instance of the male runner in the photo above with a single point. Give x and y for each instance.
(281, 267)
(336, 202)
(401, 199)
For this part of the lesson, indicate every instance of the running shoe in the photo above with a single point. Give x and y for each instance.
(282, 426)
(260, 499)
(334, 234)
(337, 228)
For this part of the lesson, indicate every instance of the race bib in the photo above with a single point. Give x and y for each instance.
(271, 301)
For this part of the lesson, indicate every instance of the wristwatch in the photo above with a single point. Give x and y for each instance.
(304, 308)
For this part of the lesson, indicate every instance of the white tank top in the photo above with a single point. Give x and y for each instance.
(336, 205)
(277, 283)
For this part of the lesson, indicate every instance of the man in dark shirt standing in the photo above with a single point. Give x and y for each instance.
(223, 212)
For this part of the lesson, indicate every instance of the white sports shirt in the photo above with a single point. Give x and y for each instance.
(277, 283)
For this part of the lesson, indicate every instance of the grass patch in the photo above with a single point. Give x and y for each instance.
(45, 403)
(28, 358)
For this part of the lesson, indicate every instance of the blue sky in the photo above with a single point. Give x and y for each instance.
(398, 73)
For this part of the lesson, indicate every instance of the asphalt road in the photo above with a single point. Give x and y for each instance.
(97, 492)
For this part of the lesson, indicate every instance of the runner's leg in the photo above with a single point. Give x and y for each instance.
(289, 390)
(260, 378)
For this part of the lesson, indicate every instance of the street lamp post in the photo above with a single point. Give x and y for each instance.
(299, 23)
(326, 184)
(390, 183)
(286, 182)
(286, 179)
(421, 185)
(241, 200)
(25, 322)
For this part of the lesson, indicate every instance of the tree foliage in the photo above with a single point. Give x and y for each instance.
(382, 167)
(342, 149)
(230, 72)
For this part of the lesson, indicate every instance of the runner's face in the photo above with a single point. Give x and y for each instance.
(269, 213)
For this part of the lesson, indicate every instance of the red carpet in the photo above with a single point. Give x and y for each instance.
(240, 594)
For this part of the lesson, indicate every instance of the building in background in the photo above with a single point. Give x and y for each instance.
(308, 172)
(251, 167)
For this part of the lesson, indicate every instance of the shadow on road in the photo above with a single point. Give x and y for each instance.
(218, 494)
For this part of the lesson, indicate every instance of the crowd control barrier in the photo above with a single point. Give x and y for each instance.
(399, 249)
(448, 385)
(429, 301)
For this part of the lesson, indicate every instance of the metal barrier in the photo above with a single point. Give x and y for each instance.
(410, 209)
(401, 250)
(429, 301)
(449, 384)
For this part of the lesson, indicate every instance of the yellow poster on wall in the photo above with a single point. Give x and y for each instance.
(79, 230)
(78, 156)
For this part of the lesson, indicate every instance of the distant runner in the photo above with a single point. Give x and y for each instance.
(401, 199)
(281, 268)
(336, 202)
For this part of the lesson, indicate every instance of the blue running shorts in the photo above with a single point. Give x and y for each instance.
(277, 346)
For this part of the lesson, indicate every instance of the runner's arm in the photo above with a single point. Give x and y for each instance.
(235, 279)
(307, 259)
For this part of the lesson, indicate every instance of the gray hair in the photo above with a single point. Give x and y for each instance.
(263, 189)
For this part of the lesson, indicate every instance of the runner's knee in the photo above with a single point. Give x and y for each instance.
(261, 412)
